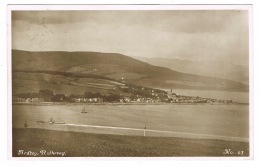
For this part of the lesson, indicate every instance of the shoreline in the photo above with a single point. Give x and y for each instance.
(118, 104)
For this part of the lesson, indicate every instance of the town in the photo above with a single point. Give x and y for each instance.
(126, 95)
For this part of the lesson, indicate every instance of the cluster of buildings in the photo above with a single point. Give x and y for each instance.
(121, 100)
(87, 100)
(138, 100)
(194, 99)
(171, 99)
(27, 100)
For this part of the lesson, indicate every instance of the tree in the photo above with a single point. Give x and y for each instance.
(89, 95)
(92, 95)
(59, 98)
(46, 94)
(112, 98)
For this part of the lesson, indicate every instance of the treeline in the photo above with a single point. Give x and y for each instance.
(49, 96)
(106, 98)
(145, 92)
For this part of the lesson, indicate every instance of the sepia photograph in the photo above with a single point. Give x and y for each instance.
(130, 81)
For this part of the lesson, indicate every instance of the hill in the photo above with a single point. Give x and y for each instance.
(32, 82)
(109, 67)
(219, 69)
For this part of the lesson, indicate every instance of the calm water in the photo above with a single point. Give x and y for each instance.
(220, 120)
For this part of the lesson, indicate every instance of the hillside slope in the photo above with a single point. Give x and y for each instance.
(117, 67)
(219, 69)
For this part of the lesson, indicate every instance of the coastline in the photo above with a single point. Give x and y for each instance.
(66, 103)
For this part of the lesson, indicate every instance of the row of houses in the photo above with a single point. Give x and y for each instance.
(38, 100)
(138, 100)
(88, 100)
(27, 100)
(122, 100)
(194, 99)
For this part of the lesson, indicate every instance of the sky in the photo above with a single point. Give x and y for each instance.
(196, 35)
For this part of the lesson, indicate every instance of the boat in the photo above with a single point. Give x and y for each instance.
(84, 110)
(51, 121)
(59, 123)
(41, 122)
(47, 122)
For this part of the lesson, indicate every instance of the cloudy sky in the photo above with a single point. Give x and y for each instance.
(189, 35)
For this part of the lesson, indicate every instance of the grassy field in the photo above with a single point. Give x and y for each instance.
(76, 144)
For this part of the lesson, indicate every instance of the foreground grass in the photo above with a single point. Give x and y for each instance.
(76, 144)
